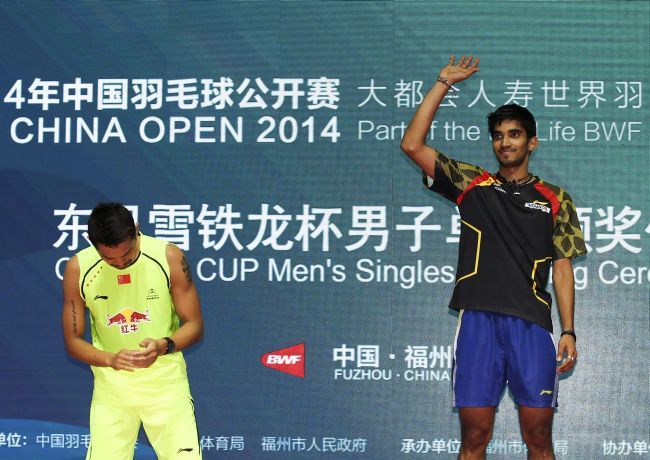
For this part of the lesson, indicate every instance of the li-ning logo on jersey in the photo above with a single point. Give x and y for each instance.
(127, 320)
(541, 205)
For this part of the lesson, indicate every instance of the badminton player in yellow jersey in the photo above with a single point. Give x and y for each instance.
(144, 309)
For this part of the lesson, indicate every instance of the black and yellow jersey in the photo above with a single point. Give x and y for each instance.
(510, 235)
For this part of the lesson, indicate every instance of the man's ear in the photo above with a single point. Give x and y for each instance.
(533, 142)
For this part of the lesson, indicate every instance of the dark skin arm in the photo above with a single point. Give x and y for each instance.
(413, 142)
(565, 295)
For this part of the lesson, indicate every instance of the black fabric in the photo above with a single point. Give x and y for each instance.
(508, 240)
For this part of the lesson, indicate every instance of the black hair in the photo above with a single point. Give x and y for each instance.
(513, 112)
(110, 224)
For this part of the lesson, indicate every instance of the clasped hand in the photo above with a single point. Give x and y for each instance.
(129, 360)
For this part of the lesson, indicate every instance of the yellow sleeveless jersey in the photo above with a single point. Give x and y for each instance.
(127, 306)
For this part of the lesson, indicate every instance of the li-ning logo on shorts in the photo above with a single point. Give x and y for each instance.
(541, 205)
(545, 392)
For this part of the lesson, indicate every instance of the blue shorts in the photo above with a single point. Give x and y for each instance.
(493, 349)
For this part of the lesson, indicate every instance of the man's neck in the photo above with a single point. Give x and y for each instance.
(515, 173)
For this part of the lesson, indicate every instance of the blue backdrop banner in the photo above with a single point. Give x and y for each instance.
(262, 138)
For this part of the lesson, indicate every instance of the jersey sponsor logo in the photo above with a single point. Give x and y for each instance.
(152, 295)
(102, 297)
(124, 279)
(545, 392)
(290, 360)
(487, 182)
(499, 188)
(541, 205)
(118, 318)
(127, 320)
(185, 449)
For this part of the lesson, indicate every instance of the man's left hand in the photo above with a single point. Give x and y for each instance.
(150, 350)
(566, 347)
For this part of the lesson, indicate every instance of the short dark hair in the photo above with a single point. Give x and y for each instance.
(110, 224)
(513, 112)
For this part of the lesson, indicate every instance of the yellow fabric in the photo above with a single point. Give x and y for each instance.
(170, 426)
(127, 306)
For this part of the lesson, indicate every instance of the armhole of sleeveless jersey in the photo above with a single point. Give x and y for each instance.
(161, 267)
(83, 280)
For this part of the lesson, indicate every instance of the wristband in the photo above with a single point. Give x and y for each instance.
(171, 346)
(445, 82)
(570, 332)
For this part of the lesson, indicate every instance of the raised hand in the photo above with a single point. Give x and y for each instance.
(454, 71)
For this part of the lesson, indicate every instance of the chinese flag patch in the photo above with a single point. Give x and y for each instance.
(124, 279)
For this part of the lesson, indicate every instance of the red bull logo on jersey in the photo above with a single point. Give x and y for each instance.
(128, 320)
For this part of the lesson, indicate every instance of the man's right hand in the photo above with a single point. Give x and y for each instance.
(414, 140)
(454, 72)
(124, 360)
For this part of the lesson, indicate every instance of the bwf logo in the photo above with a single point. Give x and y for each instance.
(290, 360)
(283, 359)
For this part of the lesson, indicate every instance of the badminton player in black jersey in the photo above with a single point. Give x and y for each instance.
(514, 228)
